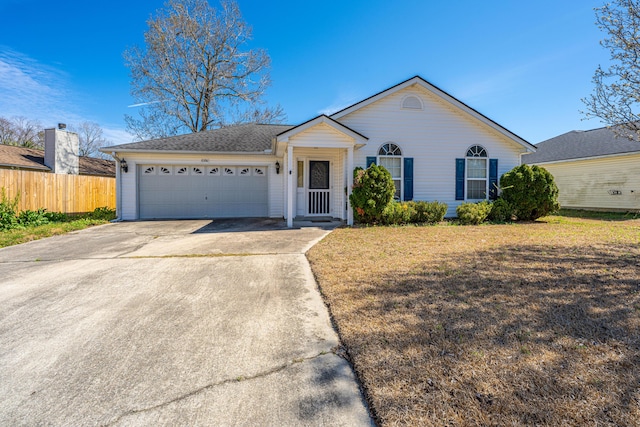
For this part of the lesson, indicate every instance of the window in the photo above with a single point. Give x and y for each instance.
(300, 174)
(476, 173)
(390, 156)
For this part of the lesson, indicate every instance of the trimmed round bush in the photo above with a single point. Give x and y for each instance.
(430, 212)
(501, 211)
(473, 213)
(531, 191)
(373, 189)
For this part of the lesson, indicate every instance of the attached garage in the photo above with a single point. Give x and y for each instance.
(219, 191)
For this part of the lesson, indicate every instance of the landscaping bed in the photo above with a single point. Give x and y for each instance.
(518, 324)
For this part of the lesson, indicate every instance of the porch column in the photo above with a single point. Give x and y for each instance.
(289, 185)
(349, 184)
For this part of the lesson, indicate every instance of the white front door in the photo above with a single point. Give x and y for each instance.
(319, 188)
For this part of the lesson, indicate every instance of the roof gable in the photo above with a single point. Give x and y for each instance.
(439, 93)
(582, 144)
(326, 120)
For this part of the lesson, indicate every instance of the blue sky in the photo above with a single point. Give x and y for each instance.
(525, 65)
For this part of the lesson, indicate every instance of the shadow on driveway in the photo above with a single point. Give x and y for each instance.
(232, 225)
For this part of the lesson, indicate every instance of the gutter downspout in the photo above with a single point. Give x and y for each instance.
(118, 188)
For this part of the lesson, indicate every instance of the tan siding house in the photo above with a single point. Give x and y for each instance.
(594, 169)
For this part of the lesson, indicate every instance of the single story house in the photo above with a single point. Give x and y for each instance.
(435, 146)
(12, 157)
(593, 169)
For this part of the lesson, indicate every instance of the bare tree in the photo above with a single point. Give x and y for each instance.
(194, 71)
(7, 133)
(91, 138)
(616, 96)
(22, 132)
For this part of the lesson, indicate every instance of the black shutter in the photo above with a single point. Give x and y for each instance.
(493, 179)
(408, 179)
(460, 179)
(371, 161)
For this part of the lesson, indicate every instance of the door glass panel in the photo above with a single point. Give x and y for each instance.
(319, 175)
(300, 174)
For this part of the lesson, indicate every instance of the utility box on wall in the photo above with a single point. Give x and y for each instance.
(61, 151)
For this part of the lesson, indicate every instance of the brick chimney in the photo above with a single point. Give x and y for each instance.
(61, 150)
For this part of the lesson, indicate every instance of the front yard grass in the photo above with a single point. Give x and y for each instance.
(515, 324)
(17, 236)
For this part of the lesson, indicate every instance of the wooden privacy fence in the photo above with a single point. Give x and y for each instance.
(58, 192)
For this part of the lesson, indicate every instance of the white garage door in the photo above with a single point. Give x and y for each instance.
(202, 192)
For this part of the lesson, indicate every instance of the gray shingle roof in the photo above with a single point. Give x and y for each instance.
(249, 138)
(581, 144)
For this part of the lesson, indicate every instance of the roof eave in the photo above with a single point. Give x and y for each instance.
(15, 166)
(146, 151)
(575, 159)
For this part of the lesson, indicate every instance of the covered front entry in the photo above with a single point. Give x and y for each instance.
(319, 159)
(313, 192)
(183, 192)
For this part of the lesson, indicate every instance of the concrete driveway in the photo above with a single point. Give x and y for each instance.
(170, 323)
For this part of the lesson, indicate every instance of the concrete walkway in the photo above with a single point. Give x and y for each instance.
(170, 323)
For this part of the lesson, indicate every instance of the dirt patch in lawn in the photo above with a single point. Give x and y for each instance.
(527, 324)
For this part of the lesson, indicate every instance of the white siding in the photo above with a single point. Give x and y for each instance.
(130, 185)
(321, 135)
(595, 183)
(322, 142)
(336, 157)
(434, 136)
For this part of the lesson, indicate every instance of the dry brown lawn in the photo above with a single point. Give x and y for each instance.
(526, 324)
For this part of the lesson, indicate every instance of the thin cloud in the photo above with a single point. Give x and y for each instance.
(31, 89)
(142, 104)
(116, 136)
(41, 92)
(341, 102)
(506, 79)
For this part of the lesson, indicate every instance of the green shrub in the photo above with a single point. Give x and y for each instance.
(8, 211)
(429, 212)
(501, 211)
(102, 213)
(373, 189)
(531, 191)
(473, 213)
(33, 218)
(398, 213)
(56, 216)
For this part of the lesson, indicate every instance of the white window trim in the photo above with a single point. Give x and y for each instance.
(401, 157)
(466, 179)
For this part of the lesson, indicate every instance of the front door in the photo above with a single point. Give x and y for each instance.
(319, 190)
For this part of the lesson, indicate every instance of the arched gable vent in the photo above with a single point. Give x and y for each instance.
(412, 102)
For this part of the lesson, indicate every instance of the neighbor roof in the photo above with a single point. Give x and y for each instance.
(246, 138)
(33, 159)
(579, 144)
(20, 157)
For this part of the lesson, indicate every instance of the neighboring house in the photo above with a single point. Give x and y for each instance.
(436, 148)
(12, 157)
(593, 169)
(56, 178)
